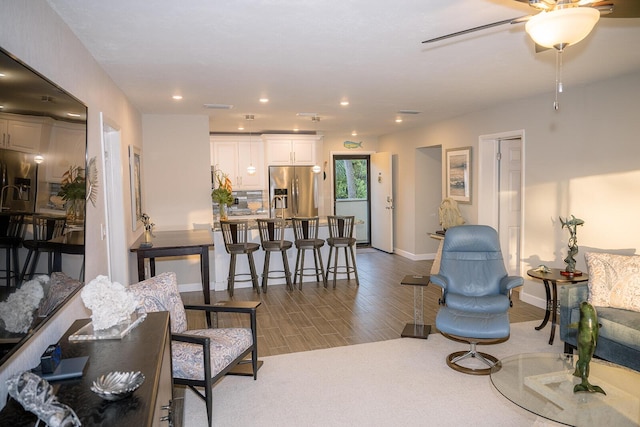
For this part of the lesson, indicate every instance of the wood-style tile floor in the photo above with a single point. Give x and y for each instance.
(316, 318)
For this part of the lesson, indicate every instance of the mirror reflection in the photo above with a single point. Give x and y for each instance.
(42, 200)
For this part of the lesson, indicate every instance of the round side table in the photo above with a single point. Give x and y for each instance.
(551, 281)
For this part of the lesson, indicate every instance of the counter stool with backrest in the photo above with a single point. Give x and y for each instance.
(272, 239)
(235, 235)
(45, 228)
(306, 238)
(341, 236)
(11, 236)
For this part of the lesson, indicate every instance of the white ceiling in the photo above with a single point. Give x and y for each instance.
(307, 55)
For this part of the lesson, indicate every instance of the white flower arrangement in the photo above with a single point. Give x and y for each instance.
(17, 311)
(110, 303)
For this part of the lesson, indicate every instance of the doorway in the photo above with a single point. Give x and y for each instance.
(501, 192)
(351, 192)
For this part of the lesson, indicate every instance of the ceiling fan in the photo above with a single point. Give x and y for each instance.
(576, 17)
(561, 23)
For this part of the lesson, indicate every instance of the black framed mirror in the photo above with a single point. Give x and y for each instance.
(43, 145)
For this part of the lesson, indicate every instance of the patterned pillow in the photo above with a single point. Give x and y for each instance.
(160, 293)
(614, 280)
(60, 287)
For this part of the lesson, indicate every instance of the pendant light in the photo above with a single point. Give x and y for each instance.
(251, 170)
(316, 119)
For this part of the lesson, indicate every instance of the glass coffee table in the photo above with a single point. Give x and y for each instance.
(542, 383)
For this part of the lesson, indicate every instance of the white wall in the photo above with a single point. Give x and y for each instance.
(583, 160)
(32, 32)
(177, 181)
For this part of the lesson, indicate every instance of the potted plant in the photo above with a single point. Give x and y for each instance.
(73, 191)
(221, 193)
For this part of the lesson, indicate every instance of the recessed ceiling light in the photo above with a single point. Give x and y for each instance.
(354, 133)
(2, 74)
(264, 100)
(398, 119)
(344, 103)
(177, 97)
(240, 127)
(296, 129)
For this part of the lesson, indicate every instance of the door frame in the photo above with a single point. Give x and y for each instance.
(331, 176)
(115, 224)
(488, 181)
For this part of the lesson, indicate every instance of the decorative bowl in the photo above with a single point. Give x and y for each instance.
(117, 385)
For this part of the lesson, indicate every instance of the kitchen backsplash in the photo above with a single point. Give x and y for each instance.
(246, 203)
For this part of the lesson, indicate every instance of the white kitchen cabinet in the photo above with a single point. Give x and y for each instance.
(291, 150)
(23, 134)
(67, 148)
(234, 154)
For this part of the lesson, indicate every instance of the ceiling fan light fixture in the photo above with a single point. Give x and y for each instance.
(562, 27)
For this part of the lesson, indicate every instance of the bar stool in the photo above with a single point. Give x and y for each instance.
(45, 228)
(341, 236)
(306, 238)
(11, 236)
(235, 235)
(272, 239)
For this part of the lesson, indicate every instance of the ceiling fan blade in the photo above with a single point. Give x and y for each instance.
(517, 20)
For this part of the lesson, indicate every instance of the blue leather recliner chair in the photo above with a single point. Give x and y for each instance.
(476, 293)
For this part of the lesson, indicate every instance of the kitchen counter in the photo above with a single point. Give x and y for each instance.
(221, 261)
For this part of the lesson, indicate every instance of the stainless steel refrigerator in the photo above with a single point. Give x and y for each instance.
(17, 181)
(293, 191)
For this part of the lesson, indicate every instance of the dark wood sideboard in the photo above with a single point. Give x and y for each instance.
(147, 348)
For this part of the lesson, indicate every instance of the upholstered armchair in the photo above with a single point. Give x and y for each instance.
(476, 293)
(200, 357)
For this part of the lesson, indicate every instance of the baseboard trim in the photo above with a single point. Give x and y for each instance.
(415, 257)
(533, 300)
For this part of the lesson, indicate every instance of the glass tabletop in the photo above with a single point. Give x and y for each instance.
(542, 383)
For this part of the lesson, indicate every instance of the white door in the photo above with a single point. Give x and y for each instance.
(382, 202)
(510, 202)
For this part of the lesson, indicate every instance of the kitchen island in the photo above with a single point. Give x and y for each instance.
(221, 262)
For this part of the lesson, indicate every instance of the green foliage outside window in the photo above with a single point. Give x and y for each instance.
(351, 179)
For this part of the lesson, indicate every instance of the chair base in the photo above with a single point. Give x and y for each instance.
(487, 359)
(458, 356)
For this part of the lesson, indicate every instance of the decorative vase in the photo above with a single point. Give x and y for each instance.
(75, 210)
(223, 211)
(147, 236)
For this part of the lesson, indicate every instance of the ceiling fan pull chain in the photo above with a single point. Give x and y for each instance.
(556, 105)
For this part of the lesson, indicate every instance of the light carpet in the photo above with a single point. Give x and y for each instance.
(404, 381)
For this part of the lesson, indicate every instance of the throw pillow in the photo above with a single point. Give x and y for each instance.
(614, 280)
(60, 287)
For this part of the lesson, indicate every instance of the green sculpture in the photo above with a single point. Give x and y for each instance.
(587, 340)
(570, 260)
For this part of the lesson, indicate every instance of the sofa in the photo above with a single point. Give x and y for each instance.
(614, 290)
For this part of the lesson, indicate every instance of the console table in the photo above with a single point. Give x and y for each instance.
(176, 243)
(147, 348)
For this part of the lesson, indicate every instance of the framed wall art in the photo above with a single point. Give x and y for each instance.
(458, 163)
(135, 171)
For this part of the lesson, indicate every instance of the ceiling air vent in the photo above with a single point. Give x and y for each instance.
(218, 106)
(409, 112)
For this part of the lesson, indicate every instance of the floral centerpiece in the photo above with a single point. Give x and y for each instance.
(221, 193)
(73, 190)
